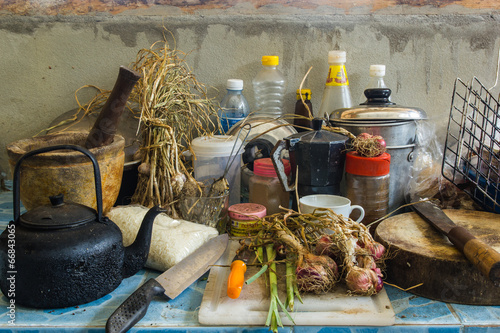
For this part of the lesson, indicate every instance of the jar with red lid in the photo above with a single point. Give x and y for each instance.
(245, 219)
(265, 187)
(367, 184)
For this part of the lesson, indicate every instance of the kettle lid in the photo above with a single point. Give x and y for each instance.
(58, 214)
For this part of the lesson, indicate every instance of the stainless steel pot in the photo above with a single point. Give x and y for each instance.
(396, 124)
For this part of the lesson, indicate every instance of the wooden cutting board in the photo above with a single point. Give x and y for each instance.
(333, 308)
(418, 253)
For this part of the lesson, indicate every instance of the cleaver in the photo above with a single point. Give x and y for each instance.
(170, 283)
(481, 255)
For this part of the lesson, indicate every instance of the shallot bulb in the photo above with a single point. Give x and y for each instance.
(177, 182)
(144, 168)
(368, 145)
(363, 281)
(317, 274)
(374, 248)
(366, 262)
(377, 250)
(326, 247)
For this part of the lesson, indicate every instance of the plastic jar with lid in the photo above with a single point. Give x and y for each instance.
(245, 219)
(265, 187)
(211, 156)
(367, 184)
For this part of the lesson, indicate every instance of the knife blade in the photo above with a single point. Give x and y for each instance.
(480, 254)
(236, 277)
(170, 283)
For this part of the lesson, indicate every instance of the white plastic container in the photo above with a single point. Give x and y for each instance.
(377, 73)
(211, 156)
(337, 94)
(269, 86)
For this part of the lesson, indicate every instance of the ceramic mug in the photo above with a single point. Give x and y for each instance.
(340, 205)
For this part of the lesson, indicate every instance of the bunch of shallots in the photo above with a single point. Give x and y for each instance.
(368, 145)
(358, 255)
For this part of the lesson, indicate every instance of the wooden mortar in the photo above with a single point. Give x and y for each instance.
(67, 172)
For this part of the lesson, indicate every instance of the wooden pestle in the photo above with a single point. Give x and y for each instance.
(106, 125)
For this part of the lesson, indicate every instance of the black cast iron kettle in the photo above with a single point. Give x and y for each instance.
(66, 254)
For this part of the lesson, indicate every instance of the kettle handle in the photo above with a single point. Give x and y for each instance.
(279, 166)
(17, 171)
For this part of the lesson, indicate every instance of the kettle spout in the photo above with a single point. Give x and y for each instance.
(136, 253)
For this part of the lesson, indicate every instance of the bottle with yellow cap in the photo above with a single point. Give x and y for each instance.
(269, 87)
(303, 110)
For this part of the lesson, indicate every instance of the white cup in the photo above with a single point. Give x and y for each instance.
(340, 205)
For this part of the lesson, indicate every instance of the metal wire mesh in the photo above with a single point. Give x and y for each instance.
(471, 155)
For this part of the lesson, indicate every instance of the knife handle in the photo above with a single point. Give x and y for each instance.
(236, 278)
(483, 256)
(134, 308)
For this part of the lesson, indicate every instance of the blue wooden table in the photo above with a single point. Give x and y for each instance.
(413, 313)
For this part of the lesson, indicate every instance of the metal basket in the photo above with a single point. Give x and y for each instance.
(471, 155)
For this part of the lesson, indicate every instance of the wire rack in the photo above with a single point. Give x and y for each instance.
(471, 155)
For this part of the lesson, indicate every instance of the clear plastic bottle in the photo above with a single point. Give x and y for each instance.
(337, 94)
(234, 106)
(377, 73)
(269, 86)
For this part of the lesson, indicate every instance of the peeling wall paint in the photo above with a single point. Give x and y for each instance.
(78, 7)
(47, 56)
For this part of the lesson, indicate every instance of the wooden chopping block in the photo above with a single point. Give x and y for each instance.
(418, 253)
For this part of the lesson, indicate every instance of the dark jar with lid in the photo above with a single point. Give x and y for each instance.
(367, 184)
(265, 187)
(302, 114)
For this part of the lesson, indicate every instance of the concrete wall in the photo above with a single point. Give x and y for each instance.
(49, 49)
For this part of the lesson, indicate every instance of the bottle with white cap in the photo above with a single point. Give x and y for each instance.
(234, 106)
(377, 73)
(337, 94)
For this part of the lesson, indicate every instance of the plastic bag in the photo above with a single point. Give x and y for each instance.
(172, 239)
(426, 176)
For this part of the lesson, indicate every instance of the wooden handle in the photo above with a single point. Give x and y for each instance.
(480, 254)
(106, 125)
(485, 258)
(236, 279)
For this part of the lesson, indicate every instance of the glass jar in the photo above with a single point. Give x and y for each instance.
(265, 187)
(367, 184)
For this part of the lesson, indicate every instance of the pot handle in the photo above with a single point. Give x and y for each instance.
(17, 171)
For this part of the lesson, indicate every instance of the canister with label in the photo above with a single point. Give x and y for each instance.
(245, 219)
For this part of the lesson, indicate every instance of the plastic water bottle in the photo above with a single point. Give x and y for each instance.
(269, 87)
(337, 94)
(234, 106)
(377, 73)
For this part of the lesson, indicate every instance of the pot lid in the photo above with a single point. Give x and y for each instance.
(58, 214)
(378, 107)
